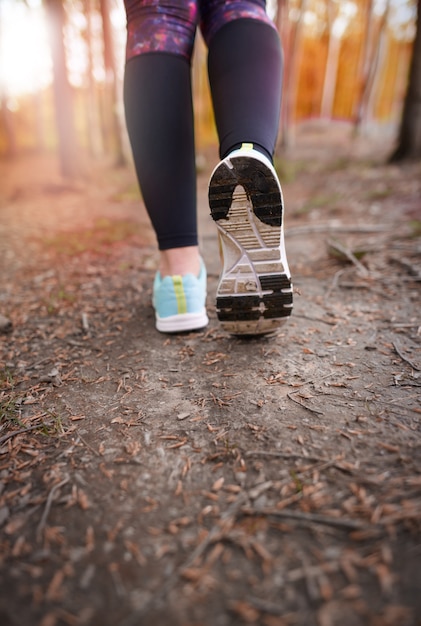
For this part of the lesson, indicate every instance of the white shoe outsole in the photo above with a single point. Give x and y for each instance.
(254, 294)
(183, 322)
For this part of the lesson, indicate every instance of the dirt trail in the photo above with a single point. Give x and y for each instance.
(203, 480)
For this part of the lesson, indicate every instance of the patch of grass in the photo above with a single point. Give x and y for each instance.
(54, 426)
(10, 417)
(9, 400)
(49, 424)
(297, 481)
(378, 194)
(10, 411)
(415, 227)
(340, 254)
(230, 447)
(6, 378)
(56, 298)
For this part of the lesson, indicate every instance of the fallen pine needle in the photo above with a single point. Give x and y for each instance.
(309, 518)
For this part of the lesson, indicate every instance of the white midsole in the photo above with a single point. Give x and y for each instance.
(182, 322)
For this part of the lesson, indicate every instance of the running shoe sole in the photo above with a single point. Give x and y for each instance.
(254, 294)
(183, 323)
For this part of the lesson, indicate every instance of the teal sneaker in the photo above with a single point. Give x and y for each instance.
(179, 302)
(254, 294)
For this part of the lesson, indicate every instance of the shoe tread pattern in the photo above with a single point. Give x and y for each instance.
(237, 196)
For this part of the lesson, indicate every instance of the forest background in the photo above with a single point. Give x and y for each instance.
(62, 66)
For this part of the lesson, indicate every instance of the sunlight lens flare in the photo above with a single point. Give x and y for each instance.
(25, 62)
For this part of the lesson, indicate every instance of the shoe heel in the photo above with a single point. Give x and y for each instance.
(254, 294)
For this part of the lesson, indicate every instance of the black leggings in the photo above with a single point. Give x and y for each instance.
(245, 74)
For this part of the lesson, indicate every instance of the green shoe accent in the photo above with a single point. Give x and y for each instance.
(179, 294)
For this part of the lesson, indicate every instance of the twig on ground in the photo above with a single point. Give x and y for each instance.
(405, 358)
(265, 606)
(48, 504)
(307, 518)
(326, 568)
(316, 411)
(88, 445)
(283, 455)
(414, 272)
(215, 532)
(404, 325)
(271, 608)
(335, 282)
(324, 463)
(346, 252)
(213, 535)
(316, 319)
(14, 433)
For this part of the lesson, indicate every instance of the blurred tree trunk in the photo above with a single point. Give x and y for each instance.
(365, 65)
(94, 128)
(7, 121)
(292, 56)
(9, 127)
(39, 126)
(63, 101)
(332, 62)
(112, 94)
(376, 57)
(409, 140)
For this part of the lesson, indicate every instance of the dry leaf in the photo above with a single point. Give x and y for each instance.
(245, 611)
(82, 500)
(218, 484)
